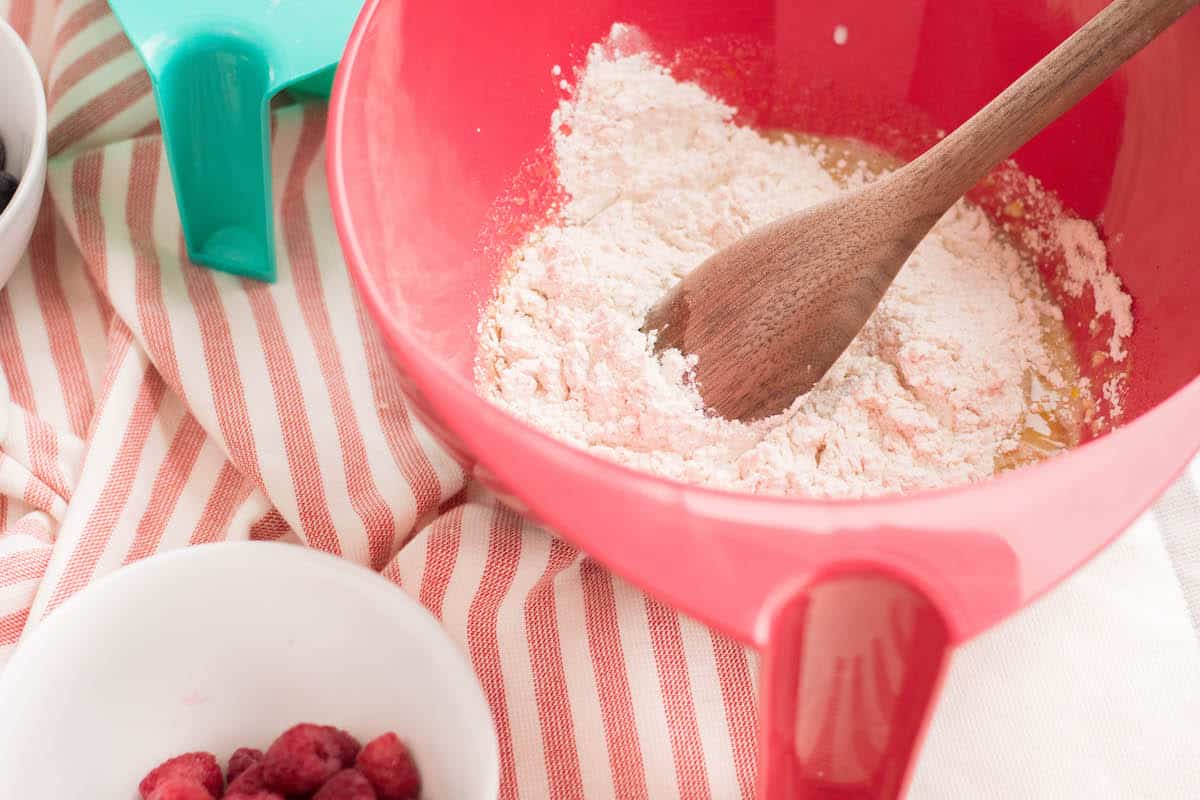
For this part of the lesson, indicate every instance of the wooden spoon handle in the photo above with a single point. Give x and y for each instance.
(1056, 83)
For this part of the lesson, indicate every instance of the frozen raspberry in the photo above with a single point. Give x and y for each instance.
(250, 781)
(242, 758)
(301, 759)
(389, 767)
(349, 784)
(179, 789)
(347, 744)
(262, 794)
(201, 768)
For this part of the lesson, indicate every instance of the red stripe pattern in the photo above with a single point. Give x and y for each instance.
(149, 405)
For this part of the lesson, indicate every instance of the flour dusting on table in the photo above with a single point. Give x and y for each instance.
(936, 388)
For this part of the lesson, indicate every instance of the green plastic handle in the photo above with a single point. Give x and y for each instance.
(215, 65)
(213, 99)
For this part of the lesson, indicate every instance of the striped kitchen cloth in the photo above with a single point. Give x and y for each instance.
(148, 404)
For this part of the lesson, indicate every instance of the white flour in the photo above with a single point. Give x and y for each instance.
(930, 393)
(1084, 258)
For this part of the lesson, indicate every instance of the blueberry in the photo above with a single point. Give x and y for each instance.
(8, 187)
(3, 156)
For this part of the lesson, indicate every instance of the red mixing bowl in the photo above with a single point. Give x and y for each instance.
(854, 605)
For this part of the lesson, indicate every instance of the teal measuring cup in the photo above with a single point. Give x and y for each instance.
(215, 65)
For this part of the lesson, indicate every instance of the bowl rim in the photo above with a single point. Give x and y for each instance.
(27, 188)
(167, 560)
(1089, 495)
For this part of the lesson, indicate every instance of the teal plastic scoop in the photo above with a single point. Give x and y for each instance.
(215, 65)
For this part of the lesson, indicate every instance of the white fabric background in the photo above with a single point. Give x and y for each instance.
(1091, 692)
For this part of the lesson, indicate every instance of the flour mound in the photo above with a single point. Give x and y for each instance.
(659, 177)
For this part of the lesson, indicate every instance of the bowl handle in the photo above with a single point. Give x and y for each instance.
(851, 668)
(213, 92)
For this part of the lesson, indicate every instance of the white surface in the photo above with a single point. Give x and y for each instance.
(1092, 692)
(23, 129)
(219, 646)
(1178, 517)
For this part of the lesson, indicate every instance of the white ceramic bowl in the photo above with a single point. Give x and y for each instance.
(220, 646)
(23, 129)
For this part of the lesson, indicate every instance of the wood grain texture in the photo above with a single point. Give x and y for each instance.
(768, 315)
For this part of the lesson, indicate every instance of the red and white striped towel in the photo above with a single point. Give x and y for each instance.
(148, 404)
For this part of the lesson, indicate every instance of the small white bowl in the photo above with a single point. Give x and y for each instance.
(23, 129)
(226, 645)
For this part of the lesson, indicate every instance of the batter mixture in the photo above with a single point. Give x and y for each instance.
(963, 369)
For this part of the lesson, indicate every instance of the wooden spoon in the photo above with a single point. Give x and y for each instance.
(768, 315)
